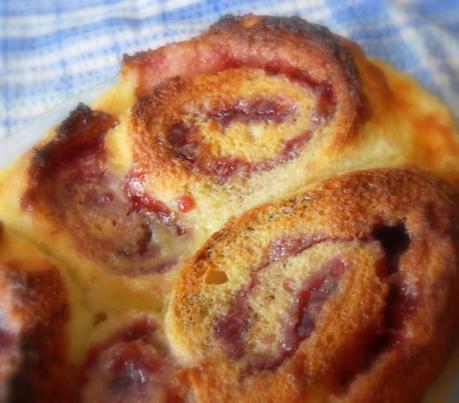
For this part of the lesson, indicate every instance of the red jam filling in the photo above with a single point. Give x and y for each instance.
(6, 340)
(134, 373)
(143, 201)
(185, 203)
(323, 90)
(79, 138)
(256, 110)
(140, 329)
(131, 366)
(184, 142)
(113, 221)
(222, 168)
(400, 305)
(309, 301)
(305, 311)
(310, 298)
(285, 247)
(231, 327)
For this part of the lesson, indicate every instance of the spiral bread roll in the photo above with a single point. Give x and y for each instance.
(130, 362)
(123, 194)
(34, 314)
(343, 293)
(254, 109)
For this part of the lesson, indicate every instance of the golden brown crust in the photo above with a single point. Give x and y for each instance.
(256, 41)
(304, 55)
(33, 331)
(379, 255)
(71, 185)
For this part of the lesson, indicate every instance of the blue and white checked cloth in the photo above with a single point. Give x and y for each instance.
(53, 49)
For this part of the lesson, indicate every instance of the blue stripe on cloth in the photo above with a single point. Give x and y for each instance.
(37, 7)
(5, 85)
(52, 49)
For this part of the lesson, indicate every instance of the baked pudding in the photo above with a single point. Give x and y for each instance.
(255, 214)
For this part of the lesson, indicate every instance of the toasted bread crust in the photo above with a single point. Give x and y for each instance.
(260, 50)
(34, 334)
(394, 234)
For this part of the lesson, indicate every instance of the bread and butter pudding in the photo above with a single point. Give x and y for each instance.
(255, 214)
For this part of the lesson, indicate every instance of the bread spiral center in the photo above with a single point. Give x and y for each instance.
(232, 123)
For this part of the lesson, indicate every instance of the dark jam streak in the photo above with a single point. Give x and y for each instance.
(79, 138)
(400, 304)
(222, 168)
(309, 301)
(256, 110)
(323, 90)
(305, 311)
(285, 247)
(231, 327)
(132, 370)
(143, 201)
(394, 241)
(7, 340)
(70, 182)
(184, 143)
(131, 366)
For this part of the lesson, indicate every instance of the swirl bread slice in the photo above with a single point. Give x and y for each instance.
(343, 293)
